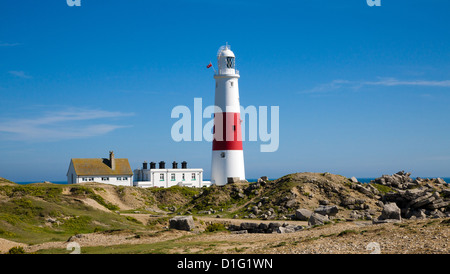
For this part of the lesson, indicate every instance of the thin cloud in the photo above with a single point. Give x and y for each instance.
(387, 82)
(394, 82)
(5, 44)
(20, 74)
(61, 125)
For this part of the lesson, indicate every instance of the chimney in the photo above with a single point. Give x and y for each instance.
(152, 165)
(174, 165)
(144, 165)
(184, 165)
(112, 161)
(162, 165)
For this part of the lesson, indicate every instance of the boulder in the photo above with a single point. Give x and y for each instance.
(445, 192)
(353, 180)
(438, 203)
(412, 194)
(348, 200)
(327, 210)
(422, 200)
(303, 214)
(364, 190)
(415, 214)
(182, 223)
(249, 226)
(291, 203)
(355, 215)
(233, 180)
(390, 211)
(317, 219)
(288, 229)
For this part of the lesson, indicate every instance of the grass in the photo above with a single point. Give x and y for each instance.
(49, 193)
(24, 217)
(383, 189)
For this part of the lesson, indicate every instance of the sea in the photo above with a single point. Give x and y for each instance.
(362, 180)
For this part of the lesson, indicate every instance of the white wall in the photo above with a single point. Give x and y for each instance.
(156, 180)
(112, 180)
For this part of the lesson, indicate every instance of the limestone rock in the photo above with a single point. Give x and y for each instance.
(317, 219)
(303, 214)
(327, 210)
(390, 211)
(182, 223)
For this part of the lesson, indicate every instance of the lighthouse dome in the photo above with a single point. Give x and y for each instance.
(226, 61)
(224, 51)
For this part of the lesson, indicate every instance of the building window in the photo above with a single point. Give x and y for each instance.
(172, 177)
(161, 177)
(125, 178)
(183, 177)
(84, 179)
(105, 178)
(119, 178)
(91, 179)
(193, 177)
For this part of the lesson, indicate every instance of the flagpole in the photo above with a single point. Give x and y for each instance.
(210, 63)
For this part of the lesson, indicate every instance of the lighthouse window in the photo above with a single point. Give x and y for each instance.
(231, 83)
(230, 62)
(222, 155)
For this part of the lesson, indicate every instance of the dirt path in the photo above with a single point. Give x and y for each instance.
(6, 245)
(420, 236)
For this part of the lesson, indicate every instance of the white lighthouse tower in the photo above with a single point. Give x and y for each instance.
(227, 154)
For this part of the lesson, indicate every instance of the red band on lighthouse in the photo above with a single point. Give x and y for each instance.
(227, 131)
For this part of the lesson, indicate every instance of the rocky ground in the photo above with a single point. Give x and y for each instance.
(359, 237)
(297, 213)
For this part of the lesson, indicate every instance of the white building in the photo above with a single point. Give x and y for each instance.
(101, 170)
(150, 176)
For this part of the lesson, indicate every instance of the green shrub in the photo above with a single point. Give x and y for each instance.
(26, 208)
(16, 250)
(77, 224)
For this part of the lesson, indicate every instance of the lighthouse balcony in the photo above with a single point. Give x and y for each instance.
(227, 72)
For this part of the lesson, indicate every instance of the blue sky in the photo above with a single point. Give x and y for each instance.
(362, 91)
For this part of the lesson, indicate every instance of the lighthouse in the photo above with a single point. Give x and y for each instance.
(227, 151)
